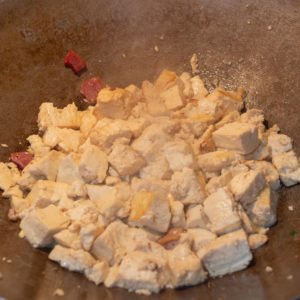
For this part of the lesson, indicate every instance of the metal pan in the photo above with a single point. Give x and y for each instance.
(254, 44)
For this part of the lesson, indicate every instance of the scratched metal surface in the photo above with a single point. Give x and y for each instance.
(234, 46)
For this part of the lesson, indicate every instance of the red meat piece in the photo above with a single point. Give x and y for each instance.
(74, 61)
(90, 89)
(21, 159)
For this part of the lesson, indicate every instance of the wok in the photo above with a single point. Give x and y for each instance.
(254, 44)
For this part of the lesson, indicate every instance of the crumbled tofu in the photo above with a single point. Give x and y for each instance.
(195, 217)
(194, 63)
(288, 167)
(246, 186)
(239, 137)
(227, 254)
(186, 187)
(219, 208)
(257, 240)
(40, 224)
(269, 269)
(125, 160)
(93, 165)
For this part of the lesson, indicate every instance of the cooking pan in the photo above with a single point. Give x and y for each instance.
(254, 44)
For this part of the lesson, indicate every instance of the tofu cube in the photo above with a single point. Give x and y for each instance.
(98, 272)
(238, 137)
(177, 212)
(195, 217)
(68, 169)
(219, 209)
(246, 186)
(40, 224)
(279, 143)
(173, 97)
(88, 234)
(68, 239)
(227, 254)
(200, 238)
(6, 177)
(257, 240)
(198, 87)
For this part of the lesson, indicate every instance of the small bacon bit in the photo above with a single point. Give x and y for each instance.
(90, 89)
(21, 159)
(172, 235)
(74, 61)
(12, 215)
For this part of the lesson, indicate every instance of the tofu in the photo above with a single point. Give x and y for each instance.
(77, 190)
(84, 212)
(177, 212)
(202, 107)
(231, 117)
(137, 125)
(195, 217)
(246, 186)
(161, 187)
(125, 160)
(13, 191)
(88, 234)
(73, 260)
(173, 97)
(238, 137)
(257, 240)
(253, 116)
(88, 121)
(263, 212)
(98, 272)
(68, 117)
(37, 147)
(40, 224)
(227, 254)
(199, 90)
(288, 167)
(186, 187)
(186, 267)
(187, 85)
(93, 165)
(150, 210)
(6, 177)
(279, 143)
(200, 238)
(64, 139)
(165, 80)
(68, 171)
(179, 155)
(219, 208)
(19, 204)
(68, 239)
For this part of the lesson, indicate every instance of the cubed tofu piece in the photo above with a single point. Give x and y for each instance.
(199, 90)
(115, 103)
(73, 260)
(288, 167)
(247, 224)
(66, 140)
(150, 210)
(263, 212)
(218, 182)
(231, 117)
(68, 239)
(279, 143)
(158, 168)
(246, 186)
(137, 125)
(77, 190)
(13, 191)
(179, 155)
(125, 160)
(142, 272)
(227, 254)
(238, 137)
(219, 208)
(202, 107)
(186, 187)
(195, 217)
(253, 116)
(177, 212)
(199, 238)
(88, 121)
(88, 234)
(187, 85)
(93, 165)
(37, 147)
(104, 134)
(40, 224)
(257, 240)
(165, 80)
(68, 169)
(7, 178)
(98, 272)
(185, 266)
(19, 204)
(217, 160)
(83, 213)
(68, 117)
(173, 97)
(268, 169)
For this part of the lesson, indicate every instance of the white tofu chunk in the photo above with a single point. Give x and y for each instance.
(220, 211)
(186, 187)
(288, 167)
(68, 239)
(68, 169)
(166, 79)
(177, 212)
(161, 187)
(77, 190)
(68, 117)
(257, 240)
(37, 147)
(19, 204)
(104, 134)
(40, 224)
(173, 97)
(231, 117)
(187, 85)
(93, 165)
(199, 90)
(13, 191)
(253, 116)
(150, 210)
(98, 272)
(179, 155)
(6, 177)
(83, 213)
(88, 234)
(199, 238)
(202, 107)
(238, 137)
(217, 160)
(246, 186)
(263, 212)
(137, 125)
(73, 260)
(227, 254)
(195, 217)
(88, 121)
(279, 143)
(186, 267)
(125, 160)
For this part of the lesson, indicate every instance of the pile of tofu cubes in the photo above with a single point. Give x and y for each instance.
(156, 187)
